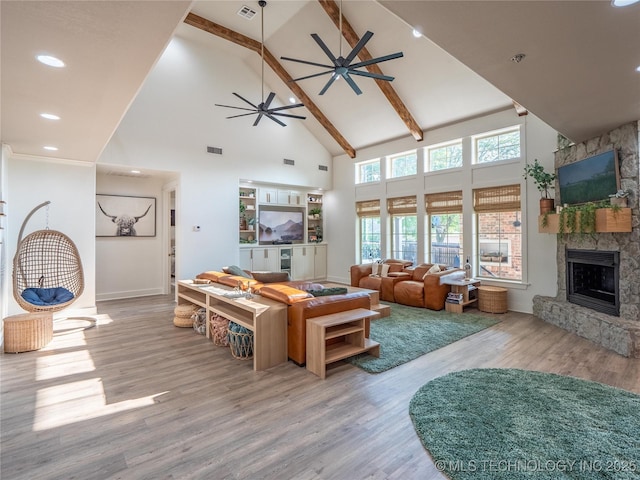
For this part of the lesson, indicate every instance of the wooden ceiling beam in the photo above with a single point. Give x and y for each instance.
(244, 41)
(350, 35)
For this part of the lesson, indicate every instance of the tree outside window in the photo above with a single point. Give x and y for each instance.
(501, 146)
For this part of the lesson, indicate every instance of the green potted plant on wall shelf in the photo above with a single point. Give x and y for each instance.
(315, 212)
(243, 217)
(543, 181)
(619, 198)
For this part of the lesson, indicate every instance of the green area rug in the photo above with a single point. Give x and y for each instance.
(411, 332)
(517, 424)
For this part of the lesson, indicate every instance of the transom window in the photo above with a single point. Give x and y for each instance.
(445, 156)
(403, 164)
(496, 146)
(367, 172)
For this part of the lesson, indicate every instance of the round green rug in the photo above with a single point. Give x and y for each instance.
(517, 424)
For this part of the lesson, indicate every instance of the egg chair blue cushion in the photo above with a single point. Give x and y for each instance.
(43, 297)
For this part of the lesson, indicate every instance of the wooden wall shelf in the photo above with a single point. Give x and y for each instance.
(607, 221)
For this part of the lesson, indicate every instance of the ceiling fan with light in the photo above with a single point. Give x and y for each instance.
(342, 66)
(263, 108)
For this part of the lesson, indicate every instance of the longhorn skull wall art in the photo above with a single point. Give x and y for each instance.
(124, 216)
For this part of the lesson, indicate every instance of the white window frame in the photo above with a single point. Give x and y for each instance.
(495, 133)
(438, 146)
(396, 156)
(359, 166)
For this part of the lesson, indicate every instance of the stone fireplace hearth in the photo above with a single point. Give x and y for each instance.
(617, 326)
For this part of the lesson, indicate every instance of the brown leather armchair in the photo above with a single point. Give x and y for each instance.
(424, 289)
(361, 277)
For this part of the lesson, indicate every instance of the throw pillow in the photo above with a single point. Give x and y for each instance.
(328, 291)
(235, 270)
(384, 271)
(434, 269)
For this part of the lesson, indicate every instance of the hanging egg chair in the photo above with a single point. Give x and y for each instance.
(47, 271)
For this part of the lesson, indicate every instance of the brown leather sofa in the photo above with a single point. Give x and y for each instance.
(425, 289)
(361, 277)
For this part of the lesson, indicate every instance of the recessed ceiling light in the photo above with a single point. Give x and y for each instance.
(638, 68)
(417, 33)
(623, 3)
(292, 100)
(50, 116)
(49, 147)
(51, 61)
(136, 171)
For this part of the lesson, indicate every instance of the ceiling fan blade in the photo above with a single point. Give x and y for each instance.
(306, 62)
(313, 75)
(289, 115)
(377, 60)
(258, 119)
(270, 98)
(276, 120)
(245, 100)
(371, 75)
(325, 49)
(365, 38)
(326, 87)
(231, 106)
(286, 107)
(352, 84)
(242, 115)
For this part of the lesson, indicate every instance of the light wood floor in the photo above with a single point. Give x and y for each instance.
(137, 398)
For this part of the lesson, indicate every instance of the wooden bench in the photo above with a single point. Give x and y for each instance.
(338, 336)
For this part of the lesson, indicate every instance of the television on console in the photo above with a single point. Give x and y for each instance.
(589, 180)
(278, 225)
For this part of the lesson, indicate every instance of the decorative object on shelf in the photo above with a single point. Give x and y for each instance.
(263, 109)
(620, 198)
(467, 270)
(315, 212)
(599, 218)
(243, 217)
(132, 216)
(341, 66)
(543, 182)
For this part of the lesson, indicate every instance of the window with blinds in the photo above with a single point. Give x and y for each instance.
(368, 212)
(444, 221)
(499, 232)
(403, 227)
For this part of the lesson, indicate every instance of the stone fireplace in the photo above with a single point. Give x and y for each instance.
(599, 274)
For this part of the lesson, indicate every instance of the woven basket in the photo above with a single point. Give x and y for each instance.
(183, 322)
(240, 342)
(185, 310)
(27, 331)
(218, 327)
(492, 299)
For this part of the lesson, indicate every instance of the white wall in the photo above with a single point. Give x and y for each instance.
(172, 121)
(132, 266)
(70, 186)
(539, 142)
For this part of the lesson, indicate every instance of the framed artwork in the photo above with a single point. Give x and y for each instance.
(124, 216)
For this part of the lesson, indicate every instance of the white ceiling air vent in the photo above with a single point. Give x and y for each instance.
(324, 168)
(216, 150)
(288, 161)
(246, 12)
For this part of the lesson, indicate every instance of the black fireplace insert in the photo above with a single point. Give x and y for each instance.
(593, 280)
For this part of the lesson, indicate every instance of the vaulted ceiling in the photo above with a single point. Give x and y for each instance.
(578, 73)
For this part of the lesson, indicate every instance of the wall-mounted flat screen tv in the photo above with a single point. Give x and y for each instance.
(280, 225)
(589, 180)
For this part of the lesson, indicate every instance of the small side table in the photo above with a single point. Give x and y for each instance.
(492, 299)
(466, 288)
